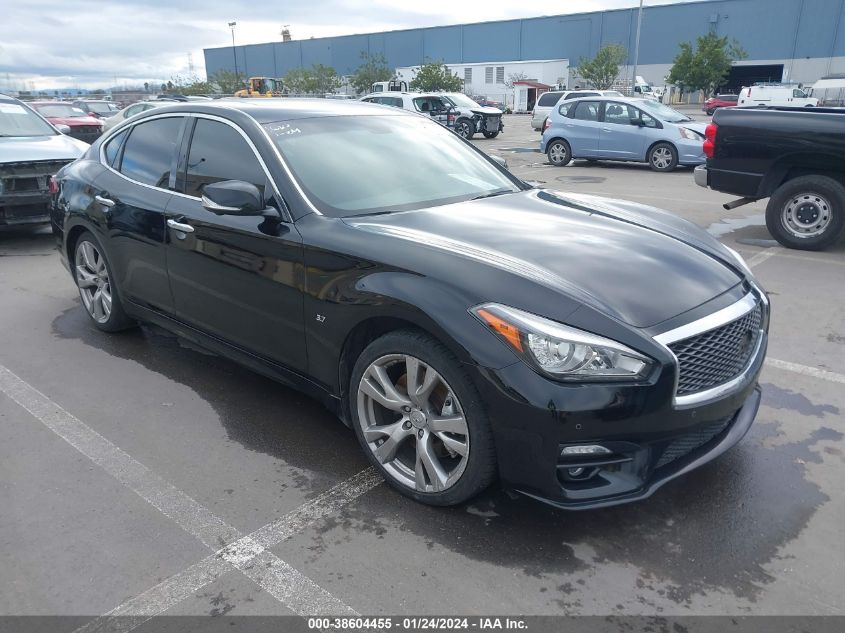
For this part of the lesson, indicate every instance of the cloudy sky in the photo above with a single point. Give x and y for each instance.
(47, 44)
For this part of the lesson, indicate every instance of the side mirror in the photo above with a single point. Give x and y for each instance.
(64, 129)
(233, 197)
(94, 114)
(501, 162)
(637, 122)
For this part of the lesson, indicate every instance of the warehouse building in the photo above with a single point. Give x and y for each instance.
(786, 40)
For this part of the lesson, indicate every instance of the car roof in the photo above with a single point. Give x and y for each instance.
(272, 109)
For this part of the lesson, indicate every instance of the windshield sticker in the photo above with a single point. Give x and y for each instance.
(284, 130)
(12, 108)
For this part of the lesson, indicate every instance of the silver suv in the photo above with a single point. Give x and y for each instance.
(433, 104)
(549, 100)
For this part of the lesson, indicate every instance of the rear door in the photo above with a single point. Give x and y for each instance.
(235, 278)
(582, 129)
(622, 138)
(133, 195)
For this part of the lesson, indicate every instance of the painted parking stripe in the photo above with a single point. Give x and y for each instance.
(295, 590)
(762, 256)
(806, 370)
(240, 554)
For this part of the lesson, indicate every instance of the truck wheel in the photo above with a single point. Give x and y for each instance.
(559, 153)
(663, 157)
(807, 213)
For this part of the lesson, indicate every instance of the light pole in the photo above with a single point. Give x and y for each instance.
(637, 46)
(232, 26)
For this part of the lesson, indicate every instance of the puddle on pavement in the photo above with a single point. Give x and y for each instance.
(729, 225)
(520, 150)
(713, 529)
(256, 412)
(580, 179)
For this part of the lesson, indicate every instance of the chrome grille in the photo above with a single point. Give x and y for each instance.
(687, 443)
(714, 357)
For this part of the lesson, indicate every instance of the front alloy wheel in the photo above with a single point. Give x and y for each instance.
(413, 423)
(464, 129)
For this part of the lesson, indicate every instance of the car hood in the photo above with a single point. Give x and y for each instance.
(486, 110)
(22, 149)
(636, 264)
(76, 121)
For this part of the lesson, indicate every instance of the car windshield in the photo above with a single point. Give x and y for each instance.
(398, 163)
(101, 107)
(18, 120)
(461, 100)
(662, 112)
(60, 110)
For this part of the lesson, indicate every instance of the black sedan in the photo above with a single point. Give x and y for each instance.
(466, 326)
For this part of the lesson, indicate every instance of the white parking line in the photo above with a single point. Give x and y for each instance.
(806, 370)
(292, 588)
(762, 256)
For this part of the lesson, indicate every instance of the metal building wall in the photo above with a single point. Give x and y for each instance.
(766, 29)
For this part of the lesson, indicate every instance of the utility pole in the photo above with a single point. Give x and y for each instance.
(232, 26)
(637, 46)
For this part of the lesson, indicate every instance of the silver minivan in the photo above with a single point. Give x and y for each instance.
(548, 100)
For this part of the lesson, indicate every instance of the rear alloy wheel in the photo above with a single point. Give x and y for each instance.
(807, 213)
(419, 420)
(559, 153)
(464, 129)
(491, 134)
(663, 157)
(96, 288)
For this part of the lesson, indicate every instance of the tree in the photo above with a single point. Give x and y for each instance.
(433, 76)
(513, 78)
(146, 86)
(372, 70)
(191, 85)
(707, 66)
(318, 79)
(226, 81)
(601, 71)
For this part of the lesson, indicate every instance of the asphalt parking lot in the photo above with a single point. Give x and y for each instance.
(141, 476)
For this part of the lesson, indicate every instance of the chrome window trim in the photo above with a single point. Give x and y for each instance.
(705, 324)
(196, 115)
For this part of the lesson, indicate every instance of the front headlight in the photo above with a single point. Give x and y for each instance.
(562, 352)
(689, 134)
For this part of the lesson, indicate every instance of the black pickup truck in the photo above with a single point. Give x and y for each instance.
(793, 156)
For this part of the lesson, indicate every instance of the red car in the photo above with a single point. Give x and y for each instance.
(719, 101)
(82, 125)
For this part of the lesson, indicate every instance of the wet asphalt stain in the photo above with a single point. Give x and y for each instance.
(782, 398)
(580, 179)
(715, 528)
(835, 338)
(256, 412)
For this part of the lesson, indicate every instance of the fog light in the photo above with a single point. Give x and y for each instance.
(585, 449)
(575, 472)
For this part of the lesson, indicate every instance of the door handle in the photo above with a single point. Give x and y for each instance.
(178, 226)
(106, 202)
(606, 129)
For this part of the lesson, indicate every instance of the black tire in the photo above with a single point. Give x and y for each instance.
(465, 128)
(491, 134)
(658, 155)
(561, 151)
(480, 469)
(807, 213)
(117, 319)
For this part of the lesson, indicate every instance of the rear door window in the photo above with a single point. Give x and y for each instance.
(587, 111)
(549, 99)
(149, 156)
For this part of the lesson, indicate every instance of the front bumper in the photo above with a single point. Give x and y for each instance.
(700, 176)
(651, 440)
(690, 152)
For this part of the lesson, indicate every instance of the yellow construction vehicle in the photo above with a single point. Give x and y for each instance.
(261, 87)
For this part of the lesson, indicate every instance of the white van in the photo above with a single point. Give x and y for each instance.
(775, 96)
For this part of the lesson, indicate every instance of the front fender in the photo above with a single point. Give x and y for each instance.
(397, 298)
